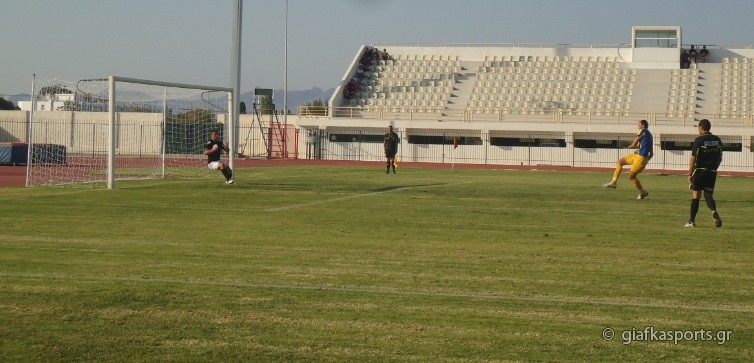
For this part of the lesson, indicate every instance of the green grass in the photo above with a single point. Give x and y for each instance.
(350, 264)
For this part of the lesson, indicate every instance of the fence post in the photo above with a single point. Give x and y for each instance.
(529, 148)
(486, 141)
(94, 139)
(664, 162)
(444, 145)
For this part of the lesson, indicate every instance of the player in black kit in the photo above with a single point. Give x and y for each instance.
(706, 156)
(391, 147)
(214, 149)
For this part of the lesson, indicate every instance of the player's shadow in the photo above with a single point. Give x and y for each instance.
(399, 187)
(282, 186)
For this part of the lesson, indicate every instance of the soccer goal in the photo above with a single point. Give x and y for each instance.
(96, 131)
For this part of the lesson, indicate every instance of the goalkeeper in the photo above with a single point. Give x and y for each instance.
(213, 149)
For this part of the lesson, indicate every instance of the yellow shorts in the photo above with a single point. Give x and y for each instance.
(637, 162)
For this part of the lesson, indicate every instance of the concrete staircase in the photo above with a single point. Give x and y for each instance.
(650, 92)
(459, 95)
(707, 90)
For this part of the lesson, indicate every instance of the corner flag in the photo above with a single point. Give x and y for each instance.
(455, 142)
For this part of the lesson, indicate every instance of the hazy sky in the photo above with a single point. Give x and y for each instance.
(189, 41)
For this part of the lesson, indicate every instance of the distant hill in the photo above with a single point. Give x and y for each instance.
(295, 98)
(16, 98)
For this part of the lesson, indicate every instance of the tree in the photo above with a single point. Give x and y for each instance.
(266, 107)
(69, 106)
(54, 90)
(314, 108)
(7, 105)
(196, 115)
(140, 108)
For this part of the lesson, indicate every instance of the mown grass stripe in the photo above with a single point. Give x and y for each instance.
(363, 290)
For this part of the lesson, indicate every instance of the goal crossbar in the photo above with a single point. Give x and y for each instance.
(160, 83)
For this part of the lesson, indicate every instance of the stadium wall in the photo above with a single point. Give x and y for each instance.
(14, 126)
(514, 143)
(575, 145)
(86, 132)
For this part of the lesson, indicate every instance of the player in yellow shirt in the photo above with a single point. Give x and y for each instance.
(643, 143)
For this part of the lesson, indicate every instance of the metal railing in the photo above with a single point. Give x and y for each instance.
(556, 116)
(527, 148)
(541, 45)
(492, 45)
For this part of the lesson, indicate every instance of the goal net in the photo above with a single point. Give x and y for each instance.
(95, 131)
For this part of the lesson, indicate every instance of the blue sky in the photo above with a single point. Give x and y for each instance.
(189, 41)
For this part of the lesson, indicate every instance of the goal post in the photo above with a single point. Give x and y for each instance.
(113, 80)
(95, 132)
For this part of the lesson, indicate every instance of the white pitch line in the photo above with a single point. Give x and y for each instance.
(362, 195)
(349, 289)
(58, 191)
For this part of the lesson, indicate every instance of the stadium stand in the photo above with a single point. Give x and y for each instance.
(485, 84)
(565, 104)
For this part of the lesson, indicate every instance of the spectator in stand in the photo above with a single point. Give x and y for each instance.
(693, 54)
(704, 54)
(385, 55)
(350, 89)
(372, 55)
(369, 56)
(685, 60)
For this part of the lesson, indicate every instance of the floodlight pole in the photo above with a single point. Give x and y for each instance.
(285, 70)
(235, 80)
(111, 133)
(164, 129)
(30, 131)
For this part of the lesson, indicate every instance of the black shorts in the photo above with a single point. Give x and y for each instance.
(390, 154)
(703, 179)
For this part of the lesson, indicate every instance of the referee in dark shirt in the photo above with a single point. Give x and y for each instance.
(391, 148)
(706, 156)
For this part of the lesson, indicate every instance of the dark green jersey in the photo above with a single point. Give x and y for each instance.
(708, 150)
(214, 156)
(391, 142)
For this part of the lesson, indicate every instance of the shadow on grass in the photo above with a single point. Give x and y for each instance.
(399, 187)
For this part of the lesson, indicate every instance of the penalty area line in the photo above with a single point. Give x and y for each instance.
(377, 291)
(362, 195)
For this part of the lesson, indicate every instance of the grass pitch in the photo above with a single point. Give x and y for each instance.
(350, 264)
